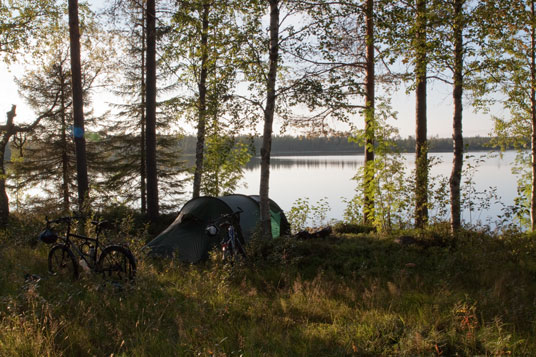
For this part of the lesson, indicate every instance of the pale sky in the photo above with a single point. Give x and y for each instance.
(439, 109)
(439, 104)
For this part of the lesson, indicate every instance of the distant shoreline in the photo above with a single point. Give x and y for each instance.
(359, 153)
(190, 157)
(317, 146)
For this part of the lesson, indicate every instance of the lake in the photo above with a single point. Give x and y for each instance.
(330, 177)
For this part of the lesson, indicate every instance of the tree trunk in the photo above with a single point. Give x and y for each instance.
(533, 117)
(269, 111)
(421, 145)
(143, 169)
(9, 130)
(64, 146)
(457, 161)
(369, 189)
(150, 135)
(4, 199)
(201, 125)
(78, 105)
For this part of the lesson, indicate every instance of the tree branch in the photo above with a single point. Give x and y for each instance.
(11, 129)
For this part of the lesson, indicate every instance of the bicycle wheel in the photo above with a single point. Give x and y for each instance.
(117, 263)
(61, 262)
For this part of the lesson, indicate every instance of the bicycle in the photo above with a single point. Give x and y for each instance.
(74, 251)
(232, 243)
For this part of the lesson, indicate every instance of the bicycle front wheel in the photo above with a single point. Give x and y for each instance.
(117, 263)
(61, 261)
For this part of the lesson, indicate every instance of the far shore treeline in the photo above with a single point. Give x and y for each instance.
(287, 145)
(301, 145)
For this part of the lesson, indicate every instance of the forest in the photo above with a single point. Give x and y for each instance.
(323, 145)
(126, 93)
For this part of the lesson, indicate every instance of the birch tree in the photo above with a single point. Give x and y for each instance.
(25, 25)
(511, 28)
(205, 41)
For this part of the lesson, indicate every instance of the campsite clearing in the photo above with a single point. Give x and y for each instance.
(348, 294)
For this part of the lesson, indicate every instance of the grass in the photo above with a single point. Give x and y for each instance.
(350, 294)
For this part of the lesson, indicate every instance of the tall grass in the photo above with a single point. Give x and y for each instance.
(349, 294)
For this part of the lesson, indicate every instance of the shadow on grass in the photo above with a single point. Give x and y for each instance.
(359, 294)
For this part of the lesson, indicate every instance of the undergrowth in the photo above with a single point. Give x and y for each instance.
(349, 294)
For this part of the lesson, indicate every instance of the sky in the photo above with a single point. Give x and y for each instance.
(439, 113)
(439, 105)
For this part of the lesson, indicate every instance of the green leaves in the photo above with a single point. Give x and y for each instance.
(23, 23)
(224, 162)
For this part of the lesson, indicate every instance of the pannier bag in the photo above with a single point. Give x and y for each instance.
(48, 236)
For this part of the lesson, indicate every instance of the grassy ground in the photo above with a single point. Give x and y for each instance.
(348, 294)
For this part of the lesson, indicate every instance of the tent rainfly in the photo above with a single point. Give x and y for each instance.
(186, 237)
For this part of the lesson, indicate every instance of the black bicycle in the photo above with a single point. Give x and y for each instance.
(75, 252)
(232, 243)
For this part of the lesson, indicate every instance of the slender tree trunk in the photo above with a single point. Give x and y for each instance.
(533, 115)
(150, 135)
(269, 111)
(78, 105)
(368, 214)
(8, 130)
(143, 170)
(64, 147)
(457, 161)
(421, 144)
(4, 199)
(201, 124)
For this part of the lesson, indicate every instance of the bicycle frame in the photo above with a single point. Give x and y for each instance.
(77, 250)
(230, 243)
(229, 239)
(87, 257)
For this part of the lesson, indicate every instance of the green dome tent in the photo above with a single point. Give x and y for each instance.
(186, 236)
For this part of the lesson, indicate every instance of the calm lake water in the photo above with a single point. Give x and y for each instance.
(330, 177)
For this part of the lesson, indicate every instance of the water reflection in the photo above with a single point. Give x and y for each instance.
(319, 177)
(331, 177)
(309, 162)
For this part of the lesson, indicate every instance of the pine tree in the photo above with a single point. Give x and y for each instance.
(125, 135)
(49, 158)
(406, 33)
(78, 106)
(150, 116)
(9, 130)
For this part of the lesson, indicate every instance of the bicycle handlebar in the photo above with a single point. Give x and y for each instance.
(228, 216)
(231, 215)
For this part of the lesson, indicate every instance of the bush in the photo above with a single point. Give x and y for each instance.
(341, 227)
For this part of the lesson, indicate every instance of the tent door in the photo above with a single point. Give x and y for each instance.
(276, 223)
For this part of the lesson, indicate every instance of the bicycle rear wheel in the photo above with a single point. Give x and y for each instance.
(117, 263)
(61, 262)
